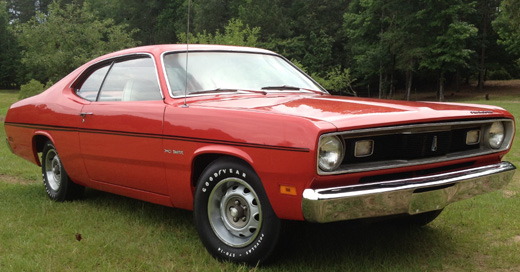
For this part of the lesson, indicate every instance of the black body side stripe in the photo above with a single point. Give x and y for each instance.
(156, 136)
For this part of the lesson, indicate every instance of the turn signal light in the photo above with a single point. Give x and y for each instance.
(364, 148)
(287, 190)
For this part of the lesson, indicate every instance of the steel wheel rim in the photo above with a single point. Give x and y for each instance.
(53, 169)
(234, 212)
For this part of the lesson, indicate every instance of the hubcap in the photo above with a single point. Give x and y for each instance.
(53, 169)
(234, 212)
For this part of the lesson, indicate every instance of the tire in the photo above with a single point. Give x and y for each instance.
(233, 216)
(57, 183)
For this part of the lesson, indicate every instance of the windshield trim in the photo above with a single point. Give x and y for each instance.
(163, 54)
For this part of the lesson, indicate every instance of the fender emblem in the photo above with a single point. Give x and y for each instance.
(481, 112)
(174, 152)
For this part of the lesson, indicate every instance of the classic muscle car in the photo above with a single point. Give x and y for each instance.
(245, 139)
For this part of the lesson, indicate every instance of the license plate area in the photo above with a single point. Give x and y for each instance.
(430, 199)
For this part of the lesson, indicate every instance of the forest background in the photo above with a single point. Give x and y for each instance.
(383, 48)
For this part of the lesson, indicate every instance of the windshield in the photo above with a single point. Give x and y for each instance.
(232, 71)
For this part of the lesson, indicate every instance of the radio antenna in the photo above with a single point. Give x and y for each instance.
(187, 50)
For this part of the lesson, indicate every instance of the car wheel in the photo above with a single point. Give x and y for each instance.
(233, 216)
(57, 183)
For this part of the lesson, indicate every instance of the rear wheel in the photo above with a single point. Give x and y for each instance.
(57, 183)
(233, 216)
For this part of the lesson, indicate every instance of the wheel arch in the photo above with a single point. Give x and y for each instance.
(205, 157)
(38, 142)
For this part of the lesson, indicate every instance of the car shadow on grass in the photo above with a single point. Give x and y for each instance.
(134, 207)
(353, 245)
(365, 245)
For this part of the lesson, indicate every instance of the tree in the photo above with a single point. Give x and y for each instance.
(318, 56)
(21, 10)
(380, 42)
(404, 36)
(235, 33)
(9, 51)
(307, 30)
(336, 81)
(136, 14)
(56, 43)
(448, 35)
(507, 25)
(484, 43)
(364, 25)
(171, 22)
(269, 15)
(212, 15)
(24, 10)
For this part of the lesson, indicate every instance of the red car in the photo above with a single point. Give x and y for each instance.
(245, 139)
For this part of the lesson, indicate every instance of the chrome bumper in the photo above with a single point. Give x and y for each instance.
(406, 196)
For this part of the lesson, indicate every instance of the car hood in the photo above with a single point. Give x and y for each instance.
(353, 112)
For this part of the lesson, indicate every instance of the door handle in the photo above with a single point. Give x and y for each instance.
(83, 114)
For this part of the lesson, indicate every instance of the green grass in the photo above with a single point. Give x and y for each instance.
(6, 99)
(122, 234)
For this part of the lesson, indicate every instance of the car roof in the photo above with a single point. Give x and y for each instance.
(182, 47)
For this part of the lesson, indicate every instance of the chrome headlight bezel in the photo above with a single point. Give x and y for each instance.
(496, 135)
(331, 151)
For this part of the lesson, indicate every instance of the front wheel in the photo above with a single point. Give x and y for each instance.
(233, 216)
(57, 183)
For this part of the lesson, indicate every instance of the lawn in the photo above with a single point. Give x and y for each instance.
(107, 232)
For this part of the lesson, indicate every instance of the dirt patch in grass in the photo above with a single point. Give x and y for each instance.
(2, 119)
(492, 90)
(510, 194)
(499, 88)
(16, 180)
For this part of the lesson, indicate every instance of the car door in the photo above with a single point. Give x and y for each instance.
(120, 137)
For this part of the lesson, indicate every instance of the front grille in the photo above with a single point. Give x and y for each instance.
(411, 146)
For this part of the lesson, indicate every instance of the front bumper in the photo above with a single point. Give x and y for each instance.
(406, 196)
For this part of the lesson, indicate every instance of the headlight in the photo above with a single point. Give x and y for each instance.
(496, 135)
(330, 153)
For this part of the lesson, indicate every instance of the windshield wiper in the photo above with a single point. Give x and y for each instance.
(290, 88)
(282, 87)
(224, 90)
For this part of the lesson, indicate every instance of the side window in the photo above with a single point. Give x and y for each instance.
(90, 88)
(131, 80)
(122, 80)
